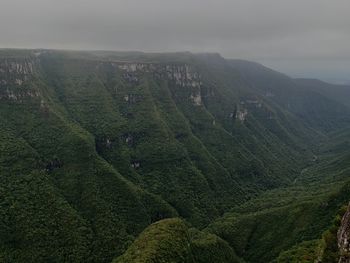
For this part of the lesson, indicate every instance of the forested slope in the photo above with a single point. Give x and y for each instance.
(96, 146)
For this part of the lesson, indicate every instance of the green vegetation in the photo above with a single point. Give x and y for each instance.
(164, 241)
(323, 250)
(98, 149)
(305, 252)
(171, 241)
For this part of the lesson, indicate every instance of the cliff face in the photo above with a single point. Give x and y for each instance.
(15, 78)
(343, 237)
(94, 149)
(182, 75)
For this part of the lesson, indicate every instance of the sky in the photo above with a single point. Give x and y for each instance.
(303, 38)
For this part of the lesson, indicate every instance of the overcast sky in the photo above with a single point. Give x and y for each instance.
(299, 37)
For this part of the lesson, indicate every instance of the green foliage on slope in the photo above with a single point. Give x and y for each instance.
(323, 250)
(96, 146)
(164, 241)
(171, 241)
(279, 221)
(305, 252)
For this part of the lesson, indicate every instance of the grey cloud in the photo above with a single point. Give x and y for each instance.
(293, 36)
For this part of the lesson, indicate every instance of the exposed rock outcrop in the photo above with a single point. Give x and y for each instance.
(196, 98)
(14, 73)
(181, 75)
(9, 94)
(241, 114)
(17, 66)
(343, 237)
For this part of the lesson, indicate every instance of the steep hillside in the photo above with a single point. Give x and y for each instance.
(171, 241)
(339, 93)
(316, 104)
(96, 146)
(57, 192)
(304, 215)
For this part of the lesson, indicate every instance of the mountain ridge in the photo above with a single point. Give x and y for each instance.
(122, 144)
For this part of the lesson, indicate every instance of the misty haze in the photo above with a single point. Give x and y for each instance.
(174, 131)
